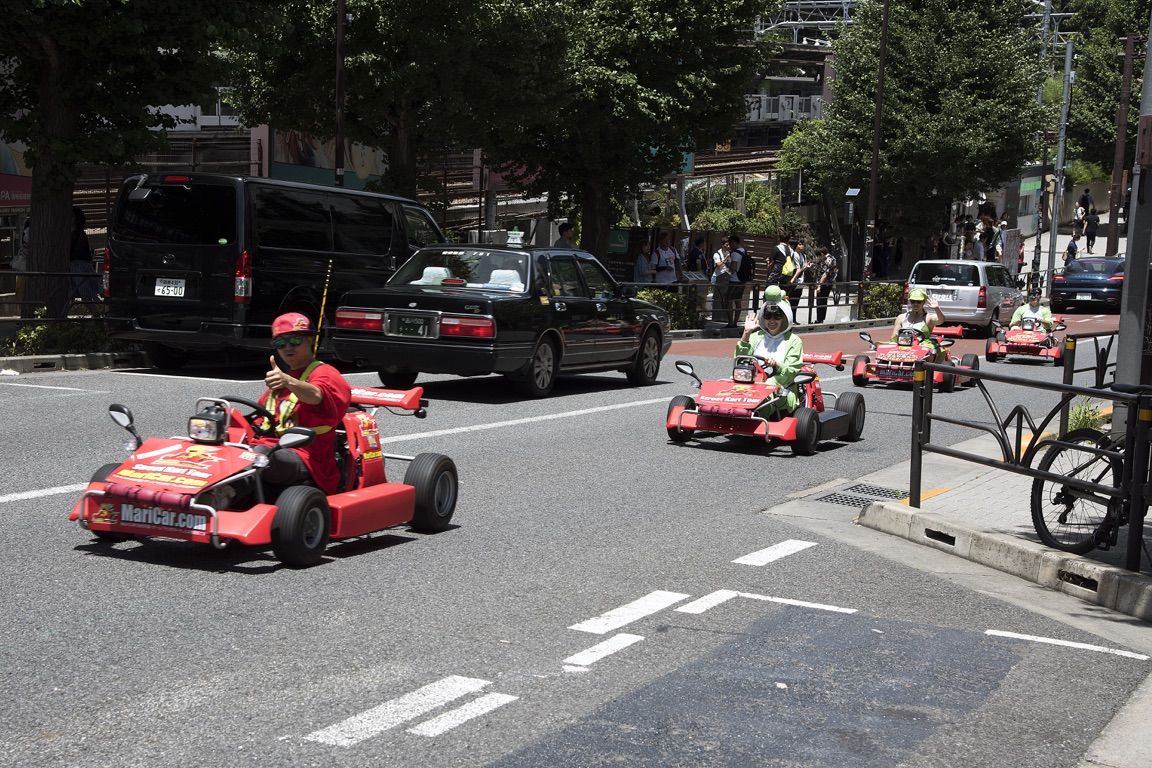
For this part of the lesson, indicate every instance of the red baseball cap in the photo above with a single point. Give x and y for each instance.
(291, 322)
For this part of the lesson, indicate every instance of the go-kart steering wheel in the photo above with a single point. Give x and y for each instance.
(255, 409)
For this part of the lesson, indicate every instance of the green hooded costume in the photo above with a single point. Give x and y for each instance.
(785, 347)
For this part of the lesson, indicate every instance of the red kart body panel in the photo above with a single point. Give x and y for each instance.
(153, 493)
(1017, 341)
(896, 363)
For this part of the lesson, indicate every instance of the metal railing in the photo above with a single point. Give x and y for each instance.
(1100, 365)
(1018, 451)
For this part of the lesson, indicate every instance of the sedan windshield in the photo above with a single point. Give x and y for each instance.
(465, 268)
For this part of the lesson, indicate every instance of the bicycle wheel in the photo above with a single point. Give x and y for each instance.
(1064, 517)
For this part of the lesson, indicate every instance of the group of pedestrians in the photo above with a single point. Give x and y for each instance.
(1086, 220)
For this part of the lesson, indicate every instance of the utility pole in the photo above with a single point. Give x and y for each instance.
(1121, 147)
(1059, 191)
(874, 175)
(339, 149)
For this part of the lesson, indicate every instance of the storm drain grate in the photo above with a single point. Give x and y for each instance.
(878, 490)
(846, 499)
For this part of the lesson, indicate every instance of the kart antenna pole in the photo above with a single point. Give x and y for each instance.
(323, 303)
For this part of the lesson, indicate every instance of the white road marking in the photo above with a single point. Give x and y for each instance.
(1097, 317)
(626, 614)
(800, 603)
(1067, 643)
(396, 711)
(775, 552)
(43, 492)
(590, 656)
(518, 422)
(449, 720)
(712, 600)
(45, 386)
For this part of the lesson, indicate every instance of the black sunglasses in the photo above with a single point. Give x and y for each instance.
(773, 313)
(287, 341)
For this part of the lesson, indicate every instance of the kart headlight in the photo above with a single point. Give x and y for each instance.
(743, 374)
(208, 426)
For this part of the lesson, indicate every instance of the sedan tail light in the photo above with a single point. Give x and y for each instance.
(1116, 277)
(470, 327)
(982, 301)
(1059, 278)
(359, 320)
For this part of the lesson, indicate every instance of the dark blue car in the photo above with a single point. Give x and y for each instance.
(1091, 280)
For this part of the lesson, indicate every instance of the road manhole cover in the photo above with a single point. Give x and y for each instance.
(846, 499)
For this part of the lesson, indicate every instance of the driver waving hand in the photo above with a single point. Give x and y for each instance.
(768, 335)
(923, 315)
(310, 394)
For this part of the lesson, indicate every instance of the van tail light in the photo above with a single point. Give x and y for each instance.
(982, 301)
(242, 290)
(469, 327)
(106, 274)
(359, 320)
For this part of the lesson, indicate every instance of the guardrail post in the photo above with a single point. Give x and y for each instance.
(916, 464)
(1140, 421)
(1068, 375)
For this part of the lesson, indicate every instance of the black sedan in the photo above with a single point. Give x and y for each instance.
(1089, 280)
(528, 313)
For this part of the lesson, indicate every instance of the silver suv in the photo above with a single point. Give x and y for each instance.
(972, 293)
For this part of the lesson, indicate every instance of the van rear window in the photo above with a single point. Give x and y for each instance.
(179, 215)
(946, 274)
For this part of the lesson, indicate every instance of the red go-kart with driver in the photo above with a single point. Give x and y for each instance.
(206, 487)
(895, 360)
(1030, 340)
(736, 406)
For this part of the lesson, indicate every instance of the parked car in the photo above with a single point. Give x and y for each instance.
(528, 313)
(1089, 280)
(205, 262)
(976, 294)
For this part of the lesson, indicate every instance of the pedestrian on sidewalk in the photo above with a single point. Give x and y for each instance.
(799, 274)
(741, 274)
(721, 274)
(644, 271)
(1091, 227)
(664, 260)
(1073, 248)
(827, 272)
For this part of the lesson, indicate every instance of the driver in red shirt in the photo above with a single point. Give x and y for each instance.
(310, 394)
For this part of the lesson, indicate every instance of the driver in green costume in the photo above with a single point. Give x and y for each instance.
(768, 335)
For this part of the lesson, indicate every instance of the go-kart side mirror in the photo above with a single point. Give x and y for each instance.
(686, 368)
(1059, 327)
(945, 343)
(121, 415)
(804, 378)
(868, 338)
(296, 438)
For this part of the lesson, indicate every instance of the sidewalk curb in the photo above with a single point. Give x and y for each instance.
(73, 362)
(1094, 582)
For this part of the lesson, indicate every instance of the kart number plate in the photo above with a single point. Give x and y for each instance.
(1083, 297)
(419, 326)
(946, 295)
(170, 286)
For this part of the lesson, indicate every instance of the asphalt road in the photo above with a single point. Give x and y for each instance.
(586, 609)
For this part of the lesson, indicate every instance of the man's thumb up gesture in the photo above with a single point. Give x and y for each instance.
(275, 378)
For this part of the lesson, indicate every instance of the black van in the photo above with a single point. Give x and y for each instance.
(205, 262)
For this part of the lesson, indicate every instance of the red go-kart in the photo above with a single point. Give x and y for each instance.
(895, 360)
(729, 406)
(1029, 339)
(187, 487)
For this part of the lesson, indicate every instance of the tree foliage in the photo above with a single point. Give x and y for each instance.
(80, 81)
(959, 113)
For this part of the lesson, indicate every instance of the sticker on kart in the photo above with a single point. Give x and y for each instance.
(152, 517)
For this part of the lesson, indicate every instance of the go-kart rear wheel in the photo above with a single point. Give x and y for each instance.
(646, 367)
(852, 403)
(684, 403)
(100, 476)
(972, 361)
(300, 527)
(437, 486)
(807, 432)
(859, 365)
(947, 379)
(990, 353)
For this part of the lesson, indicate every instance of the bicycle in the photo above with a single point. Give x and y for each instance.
(1075, 519)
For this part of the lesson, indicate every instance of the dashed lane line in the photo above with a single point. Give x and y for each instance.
(1066, 643)
(391, 713)
(63, 389)
(774, 552)
(720, 596)
(626, 614)
(22, 495)
(449, 720)
(590, 656)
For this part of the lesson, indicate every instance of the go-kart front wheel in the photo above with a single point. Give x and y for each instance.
(434, 477)
(300, 527)
(683, 403)
(972, 362)
(807, 432)
(859, 366)
(852, 403)
(990, 353)
(947, 379)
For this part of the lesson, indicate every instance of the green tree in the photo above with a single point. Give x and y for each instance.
(960, 113)
(80, 82)
(639, 84)
(419, 74)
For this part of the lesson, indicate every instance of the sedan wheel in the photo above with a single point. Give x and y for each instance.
(646, 367)
(540, 375)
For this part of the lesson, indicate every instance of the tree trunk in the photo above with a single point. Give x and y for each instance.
(402, 153)
(595, 218)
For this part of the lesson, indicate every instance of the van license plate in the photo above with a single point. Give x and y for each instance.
(169, 286)
(412, 325)
(946, 295)
(1083, 297)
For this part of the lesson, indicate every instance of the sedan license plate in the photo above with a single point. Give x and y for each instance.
(419, 326)
(170, 286)
(1083, 297)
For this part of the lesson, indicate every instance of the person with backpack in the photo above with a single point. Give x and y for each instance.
(780, 265)
(799, 274)
(739, 278)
